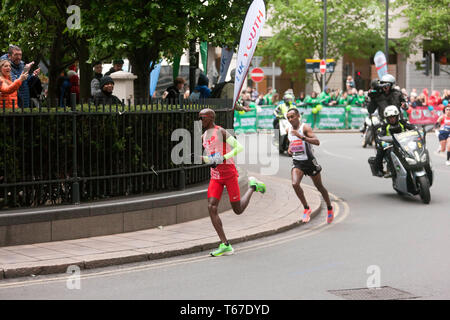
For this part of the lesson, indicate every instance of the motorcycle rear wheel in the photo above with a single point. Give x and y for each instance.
(424, 186)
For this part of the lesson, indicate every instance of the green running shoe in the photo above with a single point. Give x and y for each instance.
(260, 186)
(222, 250)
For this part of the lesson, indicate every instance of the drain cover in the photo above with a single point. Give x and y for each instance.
(382, 293)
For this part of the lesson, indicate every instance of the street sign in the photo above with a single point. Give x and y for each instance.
(323, 66)
(256, 61)
(313, 65)
(268, 71)
(257, 74)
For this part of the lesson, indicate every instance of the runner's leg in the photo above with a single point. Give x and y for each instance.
(297, 176)
(317, 179)
(213, 205)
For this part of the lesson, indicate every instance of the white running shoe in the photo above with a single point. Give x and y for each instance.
(447, 162)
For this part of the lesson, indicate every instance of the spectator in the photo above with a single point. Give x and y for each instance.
(300, 98)
(63, 89)
(360, 98)
(311, 99)
(350, 83)
(95, 83)
(187, 92)
(35, 91)
(268, 97)
(352, 96)
(228, 89)
(8, 88)
(325, 97)
(202, 86)
(74, 81)
(255, 94)
(446, 95)
(275, 98)
(172, 93)
(117, 66)
(17, 68)
(105, 95)
(413, 101)
(405, 94)
(343, 101)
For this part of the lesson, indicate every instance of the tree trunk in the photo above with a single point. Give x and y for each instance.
(86, 72)
(140, 62)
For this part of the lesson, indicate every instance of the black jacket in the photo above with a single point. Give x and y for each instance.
(103, 98)
(379, 101)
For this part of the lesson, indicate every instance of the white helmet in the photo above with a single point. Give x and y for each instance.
(388, 78)
(391, 111)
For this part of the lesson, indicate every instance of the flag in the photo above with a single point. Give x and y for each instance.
(204, 55)
(227, 55)
(154, 76)
(380, 64)
(253, 24)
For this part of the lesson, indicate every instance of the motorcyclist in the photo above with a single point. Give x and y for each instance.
(282, 108)
(392, 124)
(383, 94)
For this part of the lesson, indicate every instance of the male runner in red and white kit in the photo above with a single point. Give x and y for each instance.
(300, 137)
(443, 123)
(220, 148)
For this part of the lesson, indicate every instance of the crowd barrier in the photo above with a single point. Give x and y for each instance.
(318, 117)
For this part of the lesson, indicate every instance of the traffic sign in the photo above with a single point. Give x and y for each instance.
(268, 71)
(313, 65)
(323, 66)
(257, 74)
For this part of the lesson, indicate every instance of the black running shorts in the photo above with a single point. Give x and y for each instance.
(309, 167)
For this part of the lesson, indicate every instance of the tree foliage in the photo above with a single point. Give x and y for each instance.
(143, 31)
(353, 27)
(427, 19)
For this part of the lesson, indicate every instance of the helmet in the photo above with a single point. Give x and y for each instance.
(391, 111)
(288, 97)
(388, 78)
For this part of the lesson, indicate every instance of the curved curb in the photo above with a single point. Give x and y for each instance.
(129, 256)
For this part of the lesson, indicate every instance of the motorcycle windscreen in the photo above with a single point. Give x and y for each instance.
(412, 145)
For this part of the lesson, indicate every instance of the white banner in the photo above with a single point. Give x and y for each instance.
(253, 24)
(227, 55)
(380, 64)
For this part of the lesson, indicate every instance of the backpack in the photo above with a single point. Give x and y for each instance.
(217, 90)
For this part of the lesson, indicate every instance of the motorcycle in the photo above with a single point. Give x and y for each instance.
(407, 163)
(370, 122)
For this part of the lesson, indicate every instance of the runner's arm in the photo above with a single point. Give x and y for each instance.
(310, 137)
(237, 147)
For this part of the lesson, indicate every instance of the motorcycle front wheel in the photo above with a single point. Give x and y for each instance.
(424, 186)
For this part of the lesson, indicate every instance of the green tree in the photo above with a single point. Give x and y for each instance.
(353, 27)
(427, 20)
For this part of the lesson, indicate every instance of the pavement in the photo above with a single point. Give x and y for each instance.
(276, 211)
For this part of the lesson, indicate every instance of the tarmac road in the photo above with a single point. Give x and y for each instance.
(378, 238)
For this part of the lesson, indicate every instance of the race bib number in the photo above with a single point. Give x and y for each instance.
(298, 150)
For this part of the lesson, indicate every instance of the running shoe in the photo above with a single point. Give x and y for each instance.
(330, 215)
(222, 250)
(447, 162)
(306, 215)
(260, 186)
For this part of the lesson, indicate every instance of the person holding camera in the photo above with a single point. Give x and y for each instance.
(383, 94)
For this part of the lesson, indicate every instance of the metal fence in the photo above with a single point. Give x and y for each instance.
(86, 152)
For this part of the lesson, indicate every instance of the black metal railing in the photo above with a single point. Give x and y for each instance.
(88, 152)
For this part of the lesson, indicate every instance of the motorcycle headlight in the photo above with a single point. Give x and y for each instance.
(410, 161)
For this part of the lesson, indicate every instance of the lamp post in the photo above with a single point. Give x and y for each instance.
(386, 32)
(324, 41)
